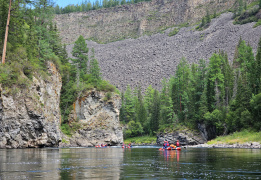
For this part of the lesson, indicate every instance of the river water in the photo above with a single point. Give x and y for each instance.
(136, 163)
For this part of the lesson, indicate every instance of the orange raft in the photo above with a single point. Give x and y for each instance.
(170, 148)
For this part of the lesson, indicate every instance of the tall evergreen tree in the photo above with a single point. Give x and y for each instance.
(166, 105)
(122, 109)
(141, 113)
(129, 105)
(155, 114)
(215, 83)
(80, 51)
(258, 67)
(95, 69)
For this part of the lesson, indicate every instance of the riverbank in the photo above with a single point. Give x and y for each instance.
(251, 145)
(141, 140)
(243, 139)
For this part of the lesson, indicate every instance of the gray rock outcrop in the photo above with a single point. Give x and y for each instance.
(97, 116)
(30, 117)
(185, 137)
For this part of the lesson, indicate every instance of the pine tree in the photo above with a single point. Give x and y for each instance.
(80, 51)
(122, 116)
(166, 105)
(155, 114)
(256, 111)
(141, 113)
(129, 105)
(240, 7)
(215, 87)
(203, 105)
(258, 67)
(95, 70)
(200, 83)
(4, 14)
(148, 100)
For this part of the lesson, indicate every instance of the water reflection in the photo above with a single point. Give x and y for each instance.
(73, 163)
(94, 163)
(135, 163)
(171, 155)
(28, 163)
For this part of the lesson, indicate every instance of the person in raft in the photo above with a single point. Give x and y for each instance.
(177, 144)
(166, 144)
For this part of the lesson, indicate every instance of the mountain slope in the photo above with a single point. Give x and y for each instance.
(149, 59)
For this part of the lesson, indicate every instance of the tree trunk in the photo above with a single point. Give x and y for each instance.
(6, 32)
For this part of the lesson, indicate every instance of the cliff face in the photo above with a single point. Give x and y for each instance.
(31, 117)
(97, 116)
(132, 21)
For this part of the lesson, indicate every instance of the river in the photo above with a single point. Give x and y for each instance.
(136, 163)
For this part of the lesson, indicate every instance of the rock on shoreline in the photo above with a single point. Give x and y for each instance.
(254, 145)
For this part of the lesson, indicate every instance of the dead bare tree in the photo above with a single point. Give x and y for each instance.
(6, 32)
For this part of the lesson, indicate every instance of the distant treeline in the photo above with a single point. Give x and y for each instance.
(87, 5)
(225, 97)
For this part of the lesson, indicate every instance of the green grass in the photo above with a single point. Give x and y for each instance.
(258, 23)
(252, 4)
(238, 137)
(174, 32)
(141, 140)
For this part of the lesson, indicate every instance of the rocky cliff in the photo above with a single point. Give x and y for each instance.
(185, 137)
(31, 117)
(132, 21)
(96, 118)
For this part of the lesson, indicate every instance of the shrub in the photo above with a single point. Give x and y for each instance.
(106, 86)
(257, 24)
(65, 128)
(174, 32)
(107, 96)
(134, 129)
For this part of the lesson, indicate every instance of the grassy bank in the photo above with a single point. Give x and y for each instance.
(238, 137)
(141, 140)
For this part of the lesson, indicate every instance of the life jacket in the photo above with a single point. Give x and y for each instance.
(167, 144)
(177, 143)
(173, 146)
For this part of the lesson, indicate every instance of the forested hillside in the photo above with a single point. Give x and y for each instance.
(225, 97)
